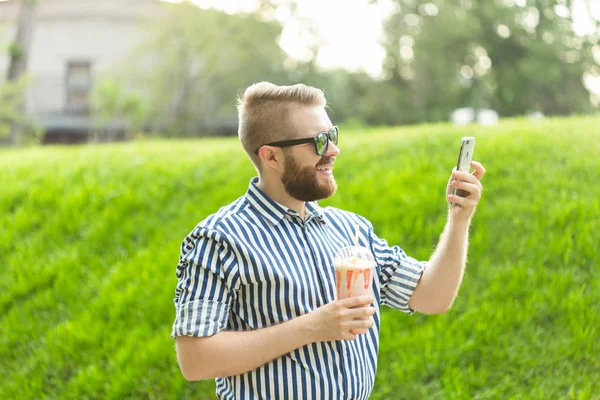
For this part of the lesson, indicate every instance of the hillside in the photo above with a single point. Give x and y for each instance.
(90, 236)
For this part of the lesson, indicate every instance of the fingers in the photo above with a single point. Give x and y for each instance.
(356, 301)
(359, 331)
(362, 312)
(356, 321)
(469, 187)
(358, 327)
(479, 169)
(465, 177)
(352, 316)
(477, 175)
(462, 201)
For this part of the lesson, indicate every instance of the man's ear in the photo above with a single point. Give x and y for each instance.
(272, 156)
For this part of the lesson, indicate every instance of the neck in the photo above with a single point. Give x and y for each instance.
(274, 189)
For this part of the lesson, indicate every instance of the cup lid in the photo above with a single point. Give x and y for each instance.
(349, 253)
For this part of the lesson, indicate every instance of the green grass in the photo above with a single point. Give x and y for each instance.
(89, 240)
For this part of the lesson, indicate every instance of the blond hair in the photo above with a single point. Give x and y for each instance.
(264, 113)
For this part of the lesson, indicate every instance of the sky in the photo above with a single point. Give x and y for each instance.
(349, 34)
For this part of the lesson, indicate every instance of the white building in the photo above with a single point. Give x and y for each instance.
(74, 42)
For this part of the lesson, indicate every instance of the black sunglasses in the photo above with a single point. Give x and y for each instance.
(321, 141)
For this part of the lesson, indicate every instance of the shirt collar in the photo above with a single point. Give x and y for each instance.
(274, 212)
(315, 210)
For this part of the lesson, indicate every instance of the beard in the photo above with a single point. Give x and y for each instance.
(303, 183)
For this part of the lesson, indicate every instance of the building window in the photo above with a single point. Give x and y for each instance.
(78, 85)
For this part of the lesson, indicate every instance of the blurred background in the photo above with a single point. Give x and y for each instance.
(99, 70)
(144, 92)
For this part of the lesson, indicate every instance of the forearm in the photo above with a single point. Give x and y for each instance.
(441, 279)
(232, 353)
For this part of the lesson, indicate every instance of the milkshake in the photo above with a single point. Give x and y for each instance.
(354, 272)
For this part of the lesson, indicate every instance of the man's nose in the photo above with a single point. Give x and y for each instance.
(332, 150)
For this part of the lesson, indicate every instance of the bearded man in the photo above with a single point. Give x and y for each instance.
(256, 305)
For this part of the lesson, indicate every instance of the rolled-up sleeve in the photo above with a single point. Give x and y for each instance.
(399, 273)
(206, 284)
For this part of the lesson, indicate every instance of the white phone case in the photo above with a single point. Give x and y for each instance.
(464, 160)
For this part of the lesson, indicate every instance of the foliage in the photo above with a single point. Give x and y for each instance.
(91, 238)
(11, 112)
(512, 56)
(113, 105)
(15, 50)
(200, 60)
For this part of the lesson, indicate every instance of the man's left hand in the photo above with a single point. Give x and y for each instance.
(464, 207)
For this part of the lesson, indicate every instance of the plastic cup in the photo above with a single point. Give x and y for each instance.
(354, 272)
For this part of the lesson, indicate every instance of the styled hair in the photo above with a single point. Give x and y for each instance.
(264, 113)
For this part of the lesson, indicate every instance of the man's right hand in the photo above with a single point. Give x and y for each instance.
(341, 319)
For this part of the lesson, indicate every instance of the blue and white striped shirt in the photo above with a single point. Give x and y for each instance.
(255, 263)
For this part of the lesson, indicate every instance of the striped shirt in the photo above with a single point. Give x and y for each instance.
(256, 263)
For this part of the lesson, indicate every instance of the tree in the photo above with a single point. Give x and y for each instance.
(19, 57)
(512, 55)
(196, 62)
(115, 108)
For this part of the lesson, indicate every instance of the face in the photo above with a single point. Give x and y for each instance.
(308, 176)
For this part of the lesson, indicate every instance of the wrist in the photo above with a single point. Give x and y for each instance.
(305, 327)
(458, 223)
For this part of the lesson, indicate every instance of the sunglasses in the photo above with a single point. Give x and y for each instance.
(321, 141)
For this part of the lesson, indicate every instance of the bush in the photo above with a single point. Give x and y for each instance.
(12, 113)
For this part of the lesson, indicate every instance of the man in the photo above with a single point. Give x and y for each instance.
(255, 298)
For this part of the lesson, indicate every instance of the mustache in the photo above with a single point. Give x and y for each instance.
(326, 161)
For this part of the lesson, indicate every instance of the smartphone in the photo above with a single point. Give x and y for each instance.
(464, 161)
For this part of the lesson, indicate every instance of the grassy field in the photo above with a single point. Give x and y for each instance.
(89, 241)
